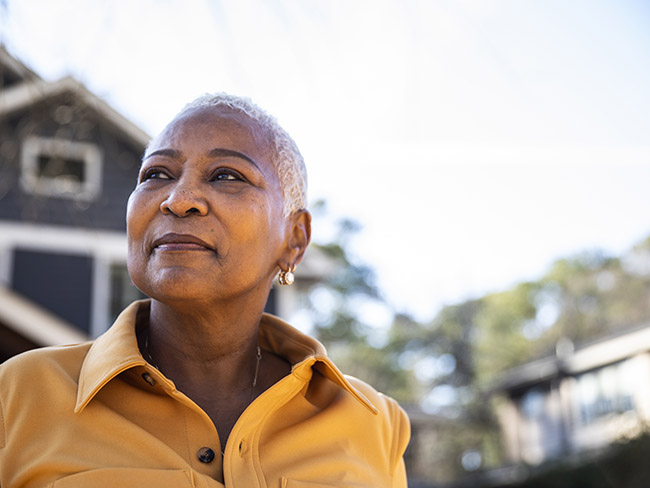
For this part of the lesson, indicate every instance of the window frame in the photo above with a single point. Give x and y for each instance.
(34, 147)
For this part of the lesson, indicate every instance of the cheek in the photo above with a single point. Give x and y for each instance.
(272, 227)
(136, 262)
(129, 212)
(266, 216)
(136, 214)
(136, 219)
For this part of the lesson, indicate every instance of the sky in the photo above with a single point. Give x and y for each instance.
(476, 141)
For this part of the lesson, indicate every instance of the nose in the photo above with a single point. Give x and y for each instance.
(184, 200)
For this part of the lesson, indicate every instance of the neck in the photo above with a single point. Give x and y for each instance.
(211, 354)
(192, 345)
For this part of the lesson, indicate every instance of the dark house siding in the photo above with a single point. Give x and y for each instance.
(61, 283)
(65, 118)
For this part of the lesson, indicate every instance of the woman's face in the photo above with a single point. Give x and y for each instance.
(205, 220)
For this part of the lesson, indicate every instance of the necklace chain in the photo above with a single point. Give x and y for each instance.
(258, 358)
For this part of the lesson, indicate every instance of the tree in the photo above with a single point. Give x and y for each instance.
(334, 304)
(448, 365)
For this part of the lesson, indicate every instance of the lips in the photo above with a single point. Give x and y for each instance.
(181, 242)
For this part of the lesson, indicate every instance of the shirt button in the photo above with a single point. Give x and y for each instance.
(205, 455)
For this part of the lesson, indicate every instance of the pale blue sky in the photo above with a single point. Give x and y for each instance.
(476, 140)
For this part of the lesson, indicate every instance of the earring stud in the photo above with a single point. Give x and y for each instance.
(287, 277)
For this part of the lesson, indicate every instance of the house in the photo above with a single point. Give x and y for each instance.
(577, 402)
(68, 162)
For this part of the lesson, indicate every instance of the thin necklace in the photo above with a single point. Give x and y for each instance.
(257, 363)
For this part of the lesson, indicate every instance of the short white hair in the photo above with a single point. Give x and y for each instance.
(287, 159)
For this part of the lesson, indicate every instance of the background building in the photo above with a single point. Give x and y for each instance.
(68, 162)
(578, 402)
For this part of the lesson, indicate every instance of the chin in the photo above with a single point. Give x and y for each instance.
(176, 284)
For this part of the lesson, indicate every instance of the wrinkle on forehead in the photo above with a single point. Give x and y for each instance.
(259, 135)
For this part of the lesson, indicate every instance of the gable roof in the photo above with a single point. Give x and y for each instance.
(34, 89)
(15, 67)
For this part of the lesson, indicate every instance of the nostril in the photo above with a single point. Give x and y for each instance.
(183, 203)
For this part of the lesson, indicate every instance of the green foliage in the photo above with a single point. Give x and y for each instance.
(500, 324)
(581, 298)
(348, 339)
(469, 345)
(378, 369)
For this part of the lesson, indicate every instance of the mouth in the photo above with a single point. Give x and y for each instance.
(181, 242)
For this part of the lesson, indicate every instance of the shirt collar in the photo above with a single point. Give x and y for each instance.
(112, 353)
(117, 350)
(305, 353)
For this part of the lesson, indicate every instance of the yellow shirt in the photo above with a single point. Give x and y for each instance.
(98, 415)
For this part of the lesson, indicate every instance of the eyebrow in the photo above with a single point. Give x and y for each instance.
(212, 153)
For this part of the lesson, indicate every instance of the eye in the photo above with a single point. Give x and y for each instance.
(226, 174)
(155, 174)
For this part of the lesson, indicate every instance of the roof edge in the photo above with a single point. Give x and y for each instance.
(36, 323)
(31, 92)
(597, 354)
(16, 66)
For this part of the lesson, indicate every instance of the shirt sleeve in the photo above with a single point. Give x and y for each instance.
(3, 438)
(3, 434)
(401, 438)
(399, 478)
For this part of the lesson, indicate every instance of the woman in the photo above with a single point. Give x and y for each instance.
(196, 386)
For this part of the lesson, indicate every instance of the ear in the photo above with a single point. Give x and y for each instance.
(299, 237)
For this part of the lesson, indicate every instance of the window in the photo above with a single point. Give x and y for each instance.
(606, 391)
(61, 168)
(533, 403)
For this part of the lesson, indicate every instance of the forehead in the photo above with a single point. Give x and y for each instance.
(218, 126)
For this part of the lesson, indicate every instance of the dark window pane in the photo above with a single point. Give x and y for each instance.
(57, 167)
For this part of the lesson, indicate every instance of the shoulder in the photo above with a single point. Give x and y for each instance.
(389, 428)
(54, 359)
(392, 415)
(35, 380)
(33, 374)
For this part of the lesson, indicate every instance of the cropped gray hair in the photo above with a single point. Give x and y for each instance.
(287, 159)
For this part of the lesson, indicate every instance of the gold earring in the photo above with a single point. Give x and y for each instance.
(287, 277)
